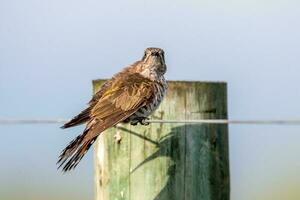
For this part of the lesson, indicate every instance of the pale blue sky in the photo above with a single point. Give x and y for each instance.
(50, 51)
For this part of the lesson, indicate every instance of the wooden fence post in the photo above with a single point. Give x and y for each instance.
(168, 161)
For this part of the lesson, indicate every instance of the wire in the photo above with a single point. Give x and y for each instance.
(226, 121)
(200, 121)
(33, 121)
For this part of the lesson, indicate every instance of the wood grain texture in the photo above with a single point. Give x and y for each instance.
(168, 161)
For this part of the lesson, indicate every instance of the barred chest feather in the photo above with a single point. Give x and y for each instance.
(160, 90)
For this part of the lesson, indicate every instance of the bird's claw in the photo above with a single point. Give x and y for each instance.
(141, 120)
(134, 123)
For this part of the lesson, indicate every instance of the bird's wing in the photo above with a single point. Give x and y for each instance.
(121, 100)
(124, 97)
(84, 116)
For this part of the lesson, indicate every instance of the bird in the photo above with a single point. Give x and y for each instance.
(130, 96)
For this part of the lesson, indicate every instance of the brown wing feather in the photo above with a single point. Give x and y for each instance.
(84, 116)
(120, 102)
(124, 97)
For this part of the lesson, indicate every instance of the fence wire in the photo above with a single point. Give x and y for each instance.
(198, 121)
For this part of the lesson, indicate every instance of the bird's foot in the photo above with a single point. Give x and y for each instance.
(134, 123)
(141, 120)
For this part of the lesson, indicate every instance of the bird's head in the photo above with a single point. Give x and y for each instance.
(154, 60)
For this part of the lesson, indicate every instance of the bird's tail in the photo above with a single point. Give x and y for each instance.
(83, 117)
(73, 153)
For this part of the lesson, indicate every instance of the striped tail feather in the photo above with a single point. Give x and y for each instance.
(73, 153)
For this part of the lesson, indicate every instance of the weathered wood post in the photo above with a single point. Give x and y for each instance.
(168, 161)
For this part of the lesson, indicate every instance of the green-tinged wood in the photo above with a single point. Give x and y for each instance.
(168, 161)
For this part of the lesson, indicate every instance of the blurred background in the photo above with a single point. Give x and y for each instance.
(50, 51)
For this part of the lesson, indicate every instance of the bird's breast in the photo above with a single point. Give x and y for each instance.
(153, 102)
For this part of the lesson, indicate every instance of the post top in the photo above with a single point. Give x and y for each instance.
(179, 81)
